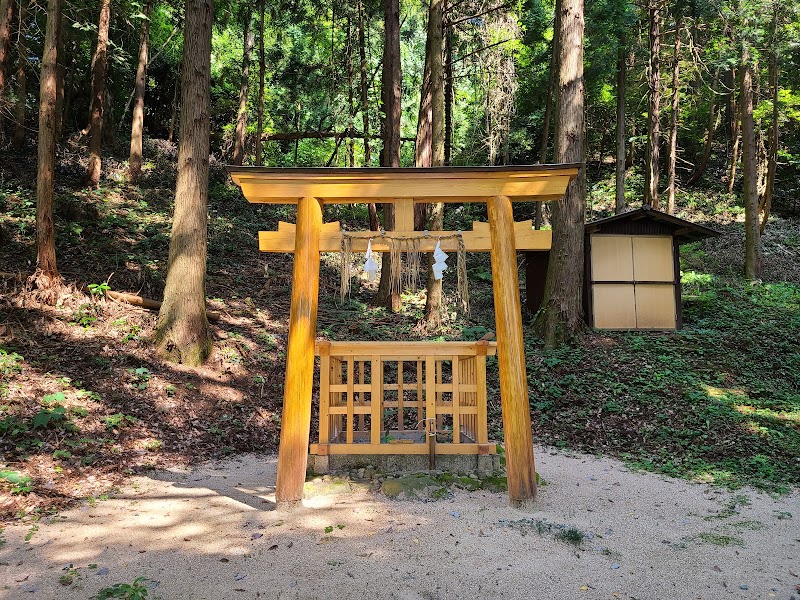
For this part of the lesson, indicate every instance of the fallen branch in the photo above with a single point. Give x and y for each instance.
(149, 303)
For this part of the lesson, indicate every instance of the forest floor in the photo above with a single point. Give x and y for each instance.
(85, 404)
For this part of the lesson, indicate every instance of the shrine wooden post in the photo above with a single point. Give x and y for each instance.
(299, 381)
(502, 237)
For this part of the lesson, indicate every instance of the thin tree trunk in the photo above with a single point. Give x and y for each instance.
(262, 70)
(538, 216)
(561, 317)
(654, 109)
(432, 103)
(22, 92)
(61, 103)
(6, 20)
(46, 278)
(630, 157)
(621, 148)
(391, 90)
(99, 63)
(374, 223)
(772, 160)
(673, 132)
(703, 164)
(351, 144)
(449, 93)
(173, 124)
(752, 259)
(241, 118)
(734, 129)
(137, 125)
(181, 332)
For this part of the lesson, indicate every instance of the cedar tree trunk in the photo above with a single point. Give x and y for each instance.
(99, 62)
(181, 333)
(561, 317)
(241, 118)
(22, 93)
(135, 159)
(654, 110)
(673, 132)
(46, 277)
(703, 164)
(391, 90)
(262, 70)
(752, 239)
(621, 148)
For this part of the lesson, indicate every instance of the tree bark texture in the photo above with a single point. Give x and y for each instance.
(181, 333)
(550, 103)
(752, 241)
(137, 124)
(391, 90)
(22, 92)
(562, 314)
(673, 131)
(6, 19)
(46, 277)
(772, 159)
(241, 115)
(621, 148)
(61, 82)
(654, 109)
(99, 63)
(703, 164)
(262, 71)
(430, 142)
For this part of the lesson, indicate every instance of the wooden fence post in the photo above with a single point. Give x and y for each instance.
(511, 354)
(296, 421)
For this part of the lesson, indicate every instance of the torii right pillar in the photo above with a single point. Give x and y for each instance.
(511, 355)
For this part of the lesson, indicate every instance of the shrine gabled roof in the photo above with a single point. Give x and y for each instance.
(383, 184)
(647, 220)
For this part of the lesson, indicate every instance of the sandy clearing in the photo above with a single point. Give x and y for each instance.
(212, 533)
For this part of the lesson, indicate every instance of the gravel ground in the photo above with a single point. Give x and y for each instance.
(597, 530)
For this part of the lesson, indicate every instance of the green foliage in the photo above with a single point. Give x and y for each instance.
(20, 484)
(118, 420)
(126, 591)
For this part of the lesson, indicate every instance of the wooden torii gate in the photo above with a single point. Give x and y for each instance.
(311, 188)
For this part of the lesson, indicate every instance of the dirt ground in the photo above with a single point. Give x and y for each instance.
(597, 530)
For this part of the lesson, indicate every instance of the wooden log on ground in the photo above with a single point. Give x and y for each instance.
(511, 355)
(149, 303)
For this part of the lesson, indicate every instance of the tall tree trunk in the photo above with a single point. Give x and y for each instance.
(654, 109)
(391, 90)
(673, 132)
(630, 156)
(561, 317)
(173, 120)
(735, 130)
(703, 164)
(772, 160)
(6, 19)
(449, 93)
(374, 223)
(181, 332)
(135, 159)
(752, 242)
(620, 166)
(430, 153)
(351, 143)
(61, 82)
(241, 118)
(46, 278)
(99, 62)
(22, 92)
(538, 216)
(262, 71)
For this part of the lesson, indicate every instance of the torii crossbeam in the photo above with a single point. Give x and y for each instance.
(311, 188)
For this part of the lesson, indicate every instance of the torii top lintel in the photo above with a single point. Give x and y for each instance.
(520, 183)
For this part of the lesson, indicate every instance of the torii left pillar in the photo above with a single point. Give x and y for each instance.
(295, 424)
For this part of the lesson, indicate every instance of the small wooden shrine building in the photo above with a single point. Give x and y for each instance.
(632, 270)
(431, 380)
